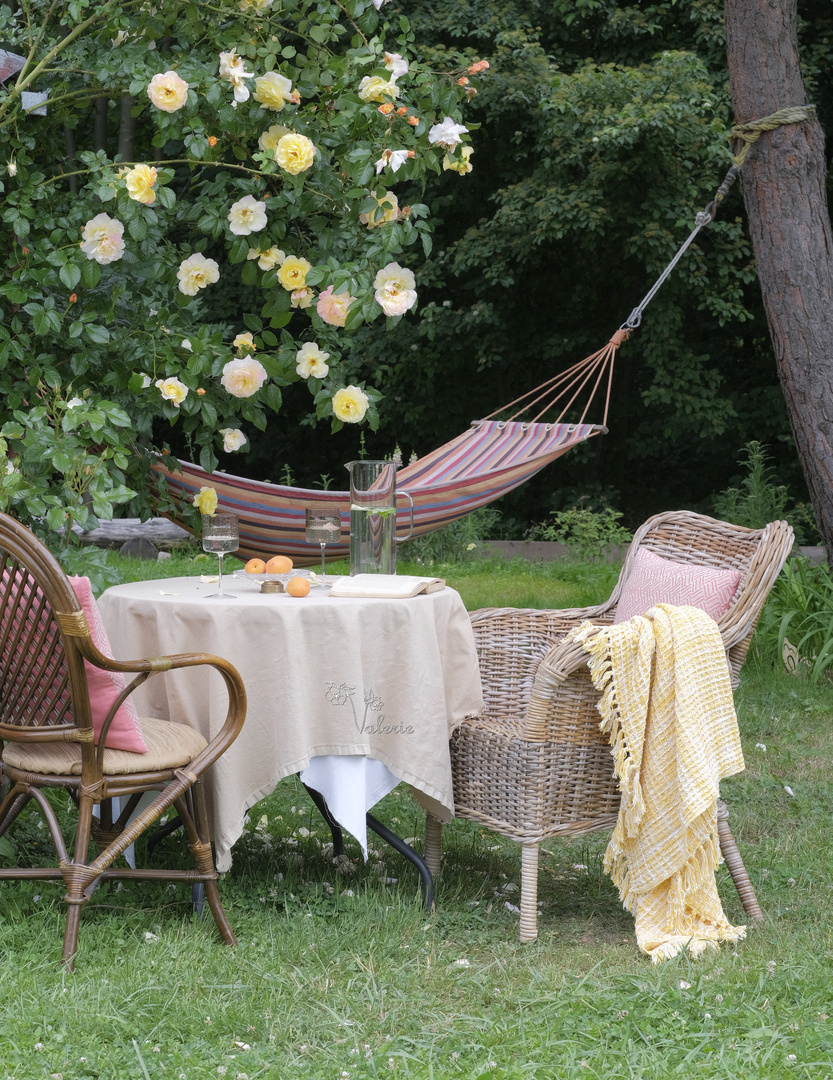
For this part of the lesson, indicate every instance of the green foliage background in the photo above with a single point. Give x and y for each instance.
(599, 131)
(603, 133)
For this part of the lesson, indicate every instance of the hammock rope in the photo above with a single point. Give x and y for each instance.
(746, 134)
(749, 132)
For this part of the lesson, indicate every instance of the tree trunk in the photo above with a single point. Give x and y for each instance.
(100, 125)
(127, 128)
(784, 190)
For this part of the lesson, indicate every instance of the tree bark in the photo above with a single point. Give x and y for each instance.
(784, 190)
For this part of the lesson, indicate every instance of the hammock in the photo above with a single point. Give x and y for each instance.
(489, 459)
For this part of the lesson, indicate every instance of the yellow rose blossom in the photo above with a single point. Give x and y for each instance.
(268, 259)
(168, 91)
(295, 153)
(244, 343)
(350, 404)
(375, 88)
(270, 138)
(206, 501)
(386, 209)
(139, 182)
(302, 298)
(293, 273)
(461, 166)
(172, 389)
(273, 90)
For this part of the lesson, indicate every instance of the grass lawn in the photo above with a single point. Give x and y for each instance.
(341, 974)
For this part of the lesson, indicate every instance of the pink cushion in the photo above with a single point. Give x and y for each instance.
(654, 580)
(125, 732)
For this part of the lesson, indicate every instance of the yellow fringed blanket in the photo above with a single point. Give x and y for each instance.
(667, 707)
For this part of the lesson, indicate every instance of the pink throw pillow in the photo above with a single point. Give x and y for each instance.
(654, 580)
(125, 732)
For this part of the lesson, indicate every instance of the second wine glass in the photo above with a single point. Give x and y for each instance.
(323, 527)
(220, 535)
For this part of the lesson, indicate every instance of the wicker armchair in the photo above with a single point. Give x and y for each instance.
(535, 764)
(46, 738)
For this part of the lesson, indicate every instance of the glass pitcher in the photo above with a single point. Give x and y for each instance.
(373, 536)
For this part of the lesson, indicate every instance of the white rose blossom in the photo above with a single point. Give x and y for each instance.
(172, 389)
(168, 91)
(233, 439)
(247, 216)
(233, 68)
(103, 239)
(447, 134)
(396, 65)
(311, 361)
(395, 292)
(196, 272)
(243, 377)
(394, 159)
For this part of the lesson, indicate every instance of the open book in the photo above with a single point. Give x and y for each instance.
(395, 586)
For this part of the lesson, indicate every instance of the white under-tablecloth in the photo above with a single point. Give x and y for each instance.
(384, 679)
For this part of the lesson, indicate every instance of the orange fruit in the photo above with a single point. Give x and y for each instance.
(279, 564)
(297, 586)
(255, 566)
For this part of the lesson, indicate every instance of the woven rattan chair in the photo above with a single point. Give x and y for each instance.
(535, 764)
(46, 738)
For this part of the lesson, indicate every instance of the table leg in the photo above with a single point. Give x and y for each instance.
(198, 889)
(398, 844)
(335, 828)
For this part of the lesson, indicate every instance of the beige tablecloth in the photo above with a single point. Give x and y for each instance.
(388, 679)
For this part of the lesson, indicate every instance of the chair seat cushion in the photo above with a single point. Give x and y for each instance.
(654, 580)
(169, 746)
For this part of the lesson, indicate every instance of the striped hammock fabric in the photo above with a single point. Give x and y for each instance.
(489, 459)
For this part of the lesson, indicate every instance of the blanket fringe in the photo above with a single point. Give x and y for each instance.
(625, 766)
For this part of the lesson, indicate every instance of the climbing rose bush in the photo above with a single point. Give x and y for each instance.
(246, 142)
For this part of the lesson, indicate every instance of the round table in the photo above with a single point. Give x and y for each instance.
(381, 679)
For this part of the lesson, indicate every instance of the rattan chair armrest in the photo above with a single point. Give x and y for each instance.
(144, 668)
(774, 550)
(569, 616)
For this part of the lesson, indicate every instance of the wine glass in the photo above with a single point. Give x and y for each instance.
(220, 534)
(322, 527)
